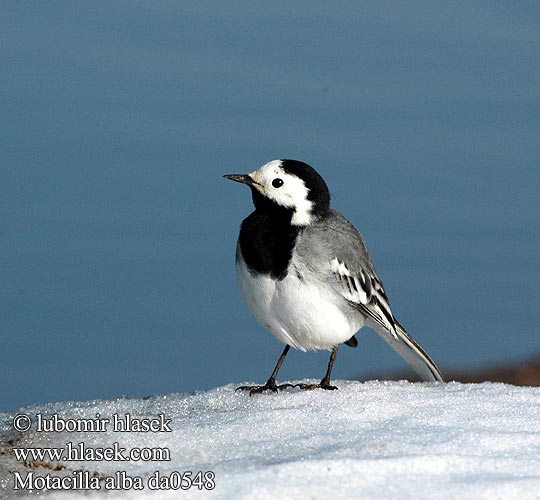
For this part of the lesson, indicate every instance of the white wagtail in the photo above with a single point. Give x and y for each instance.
(305, 272)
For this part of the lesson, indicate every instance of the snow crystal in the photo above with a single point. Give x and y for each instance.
(366, 440)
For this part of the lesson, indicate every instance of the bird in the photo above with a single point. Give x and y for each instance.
(306, 275)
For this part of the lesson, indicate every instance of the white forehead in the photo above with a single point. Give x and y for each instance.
(268, 171)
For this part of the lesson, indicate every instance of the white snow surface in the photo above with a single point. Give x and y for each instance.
(365, 440)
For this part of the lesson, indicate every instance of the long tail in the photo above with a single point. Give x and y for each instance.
(411, 352)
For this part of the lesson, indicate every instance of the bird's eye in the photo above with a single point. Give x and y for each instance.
(277, 183)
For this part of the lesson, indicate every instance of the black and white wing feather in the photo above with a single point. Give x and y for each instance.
(365, 292)
(345, 263)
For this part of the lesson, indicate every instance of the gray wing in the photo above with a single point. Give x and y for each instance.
(338, 255)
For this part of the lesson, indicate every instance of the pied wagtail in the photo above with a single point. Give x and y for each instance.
(305, 272)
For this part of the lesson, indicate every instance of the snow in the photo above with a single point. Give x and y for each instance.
(365, 440)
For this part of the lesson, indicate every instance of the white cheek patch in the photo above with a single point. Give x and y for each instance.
(293, 194)
(302, 214)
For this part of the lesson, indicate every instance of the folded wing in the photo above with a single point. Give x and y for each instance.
(334, 250)
(364, 291)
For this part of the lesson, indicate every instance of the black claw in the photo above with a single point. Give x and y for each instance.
(259, 389)
(329, 387)
(311, 387)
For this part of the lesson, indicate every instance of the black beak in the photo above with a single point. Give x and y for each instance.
(243, 178)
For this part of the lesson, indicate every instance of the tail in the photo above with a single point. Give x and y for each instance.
(411, 352)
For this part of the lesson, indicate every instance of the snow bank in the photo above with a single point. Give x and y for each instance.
(366, 440)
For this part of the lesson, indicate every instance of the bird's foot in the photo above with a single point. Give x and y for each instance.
(321, 385)
(259, 389)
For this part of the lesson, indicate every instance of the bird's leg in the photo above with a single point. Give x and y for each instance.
(325, 382)
(271, 382)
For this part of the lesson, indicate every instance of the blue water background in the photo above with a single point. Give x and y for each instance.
(118, 232)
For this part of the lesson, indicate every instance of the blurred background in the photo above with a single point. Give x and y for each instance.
(118, 232)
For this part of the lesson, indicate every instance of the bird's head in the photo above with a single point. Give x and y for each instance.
(288, 184)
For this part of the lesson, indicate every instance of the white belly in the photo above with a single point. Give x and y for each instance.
(298, 312)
